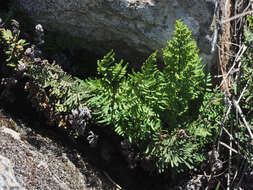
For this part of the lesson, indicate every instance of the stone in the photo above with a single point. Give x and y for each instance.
(7, 179)
(13, 133)
(36, 162)
(133, 28)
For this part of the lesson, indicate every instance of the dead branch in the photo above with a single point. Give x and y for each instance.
(238, 108)
(227, 146)
(235, 17)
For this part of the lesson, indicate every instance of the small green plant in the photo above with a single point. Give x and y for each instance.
(13, 47)
(250, 21)
(64, 92)
(153, 108)
(50, 89)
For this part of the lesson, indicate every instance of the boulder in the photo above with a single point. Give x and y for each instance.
(133, 28)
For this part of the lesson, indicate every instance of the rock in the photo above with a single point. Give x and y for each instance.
(133, 28)
(7, 179)
(13, 133)
(39, 163)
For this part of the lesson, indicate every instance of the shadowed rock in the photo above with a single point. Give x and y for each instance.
(133, 28)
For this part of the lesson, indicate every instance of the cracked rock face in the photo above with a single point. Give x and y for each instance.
(133, 28)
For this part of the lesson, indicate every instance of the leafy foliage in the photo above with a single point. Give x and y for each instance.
(168, 113)
(64, 92)
(50, 89)
(13, 46)
(153, 108)
(171, 114)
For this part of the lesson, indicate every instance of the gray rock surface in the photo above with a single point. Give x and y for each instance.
(134, 28)
(7, 179)
(37, 162)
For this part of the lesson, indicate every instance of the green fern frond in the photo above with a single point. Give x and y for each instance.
(143, 105)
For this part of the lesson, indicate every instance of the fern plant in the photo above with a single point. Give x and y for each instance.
(13, 47)
(50, 89)
(155, 108)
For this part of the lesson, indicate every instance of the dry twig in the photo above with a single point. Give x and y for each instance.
(238, 108)
(235, 17)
